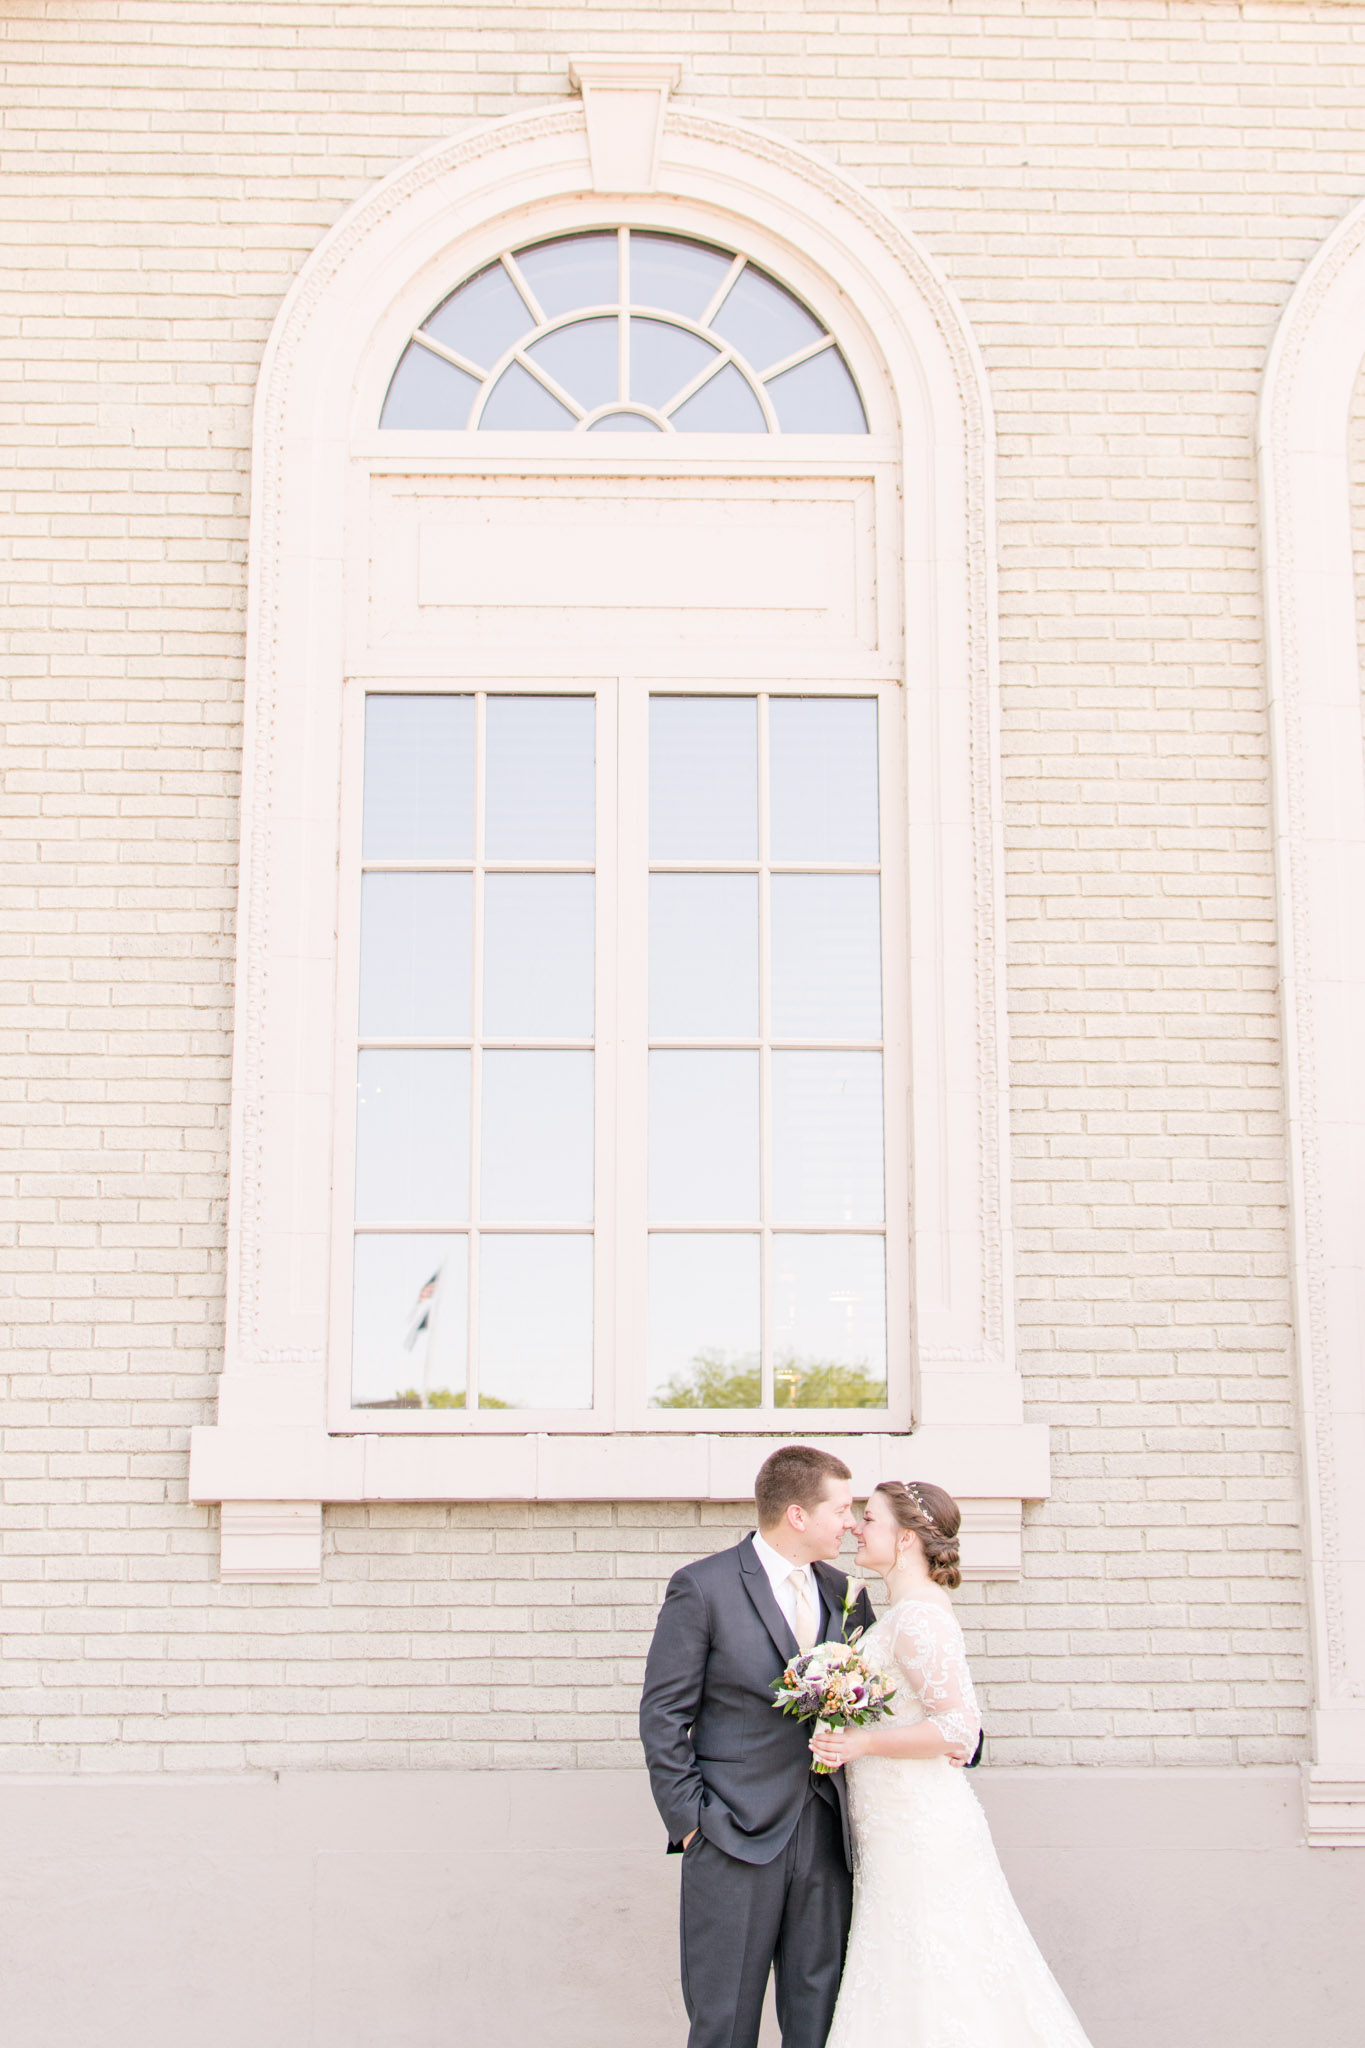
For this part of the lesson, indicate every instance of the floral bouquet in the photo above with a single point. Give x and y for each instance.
(834, 1686)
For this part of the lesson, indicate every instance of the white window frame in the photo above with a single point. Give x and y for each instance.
(620, 1229)
(923, 477)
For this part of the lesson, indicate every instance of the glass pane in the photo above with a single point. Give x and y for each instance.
(584, 359)
(826, 956)
(625, 423)
(572, 271)
(416, 951)
(824, 778)
(724, 405)
(535, 1322)
(482, 319)
(539, 778)
(538, 956)
(703, 778)
(703, 956)
(818, 397)
(704, 1320)
(676, 275)
(827, 1137)
(663, 359)
(763, 321)
(703, 1137)
(518, 401)
(427, 391)
(412, 1137)
(419, 778)
(829, 1322)
(536, 1143)
(409, 1334)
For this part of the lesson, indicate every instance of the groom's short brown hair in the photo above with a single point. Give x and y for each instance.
(795, 1476)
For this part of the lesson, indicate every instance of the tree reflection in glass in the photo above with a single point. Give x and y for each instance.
(765, 1075)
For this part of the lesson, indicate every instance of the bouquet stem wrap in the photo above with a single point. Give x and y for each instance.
(823, 1770)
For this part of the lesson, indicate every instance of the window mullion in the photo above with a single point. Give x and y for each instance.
(607, 974)
(764, 1065)
(623, 316)
(476, 1055)
(630, 1246)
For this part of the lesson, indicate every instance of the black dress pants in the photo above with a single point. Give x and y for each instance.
(739, 1920)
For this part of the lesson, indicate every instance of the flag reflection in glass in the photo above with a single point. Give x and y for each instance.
(476, 1086)
(409, 1320)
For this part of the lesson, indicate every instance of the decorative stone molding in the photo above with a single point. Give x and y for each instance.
(316, 448)
(281, 1539)
(1318, 769)
(1334, 1810)
(623, 102)
(265, 1542)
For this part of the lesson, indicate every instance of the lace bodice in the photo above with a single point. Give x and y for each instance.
(923, 1642)
(938, 1956)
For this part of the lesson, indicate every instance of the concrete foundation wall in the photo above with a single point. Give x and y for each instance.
(412, 1909)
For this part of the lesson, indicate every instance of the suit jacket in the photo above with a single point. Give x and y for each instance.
(721, 1757)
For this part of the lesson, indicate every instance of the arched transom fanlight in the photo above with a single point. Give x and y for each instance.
(628, 332)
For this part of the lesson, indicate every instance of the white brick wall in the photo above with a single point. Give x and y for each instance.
(1123, 195)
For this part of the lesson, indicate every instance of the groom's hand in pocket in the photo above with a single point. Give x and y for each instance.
(688, 1840)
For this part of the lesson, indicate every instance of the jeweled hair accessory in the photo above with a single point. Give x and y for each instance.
(913, 1492)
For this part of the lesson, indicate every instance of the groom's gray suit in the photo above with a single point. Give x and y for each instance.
(767, 1879)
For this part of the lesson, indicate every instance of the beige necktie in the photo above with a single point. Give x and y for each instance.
(805, 1613)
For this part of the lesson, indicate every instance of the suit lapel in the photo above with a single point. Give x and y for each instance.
(832, 1595)
(759, 1590)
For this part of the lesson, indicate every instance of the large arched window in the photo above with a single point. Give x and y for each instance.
(629, 978)
(618, 921)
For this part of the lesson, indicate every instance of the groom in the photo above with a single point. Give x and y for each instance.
(765, 1874)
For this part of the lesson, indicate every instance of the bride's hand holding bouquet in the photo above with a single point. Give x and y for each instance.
(834, 1747)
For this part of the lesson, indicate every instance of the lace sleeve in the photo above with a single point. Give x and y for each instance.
(930, 1651)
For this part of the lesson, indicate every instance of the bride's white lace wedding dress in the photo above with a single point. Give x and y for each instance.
(938, 1954)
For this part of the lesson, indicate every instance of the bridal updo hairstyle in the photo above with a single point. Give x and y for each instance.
(935, 1518)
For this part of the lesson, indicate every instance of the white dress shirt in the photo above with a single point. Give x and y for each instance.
(779, 1570)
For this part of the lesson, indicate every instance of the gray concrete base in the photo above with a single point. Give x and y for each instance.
(358, 1910)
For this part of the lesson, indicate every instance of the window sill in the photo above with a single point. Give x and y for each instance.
(260, 1474)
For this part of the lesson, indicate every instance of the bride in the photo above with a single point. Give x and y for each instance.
(938, 1953)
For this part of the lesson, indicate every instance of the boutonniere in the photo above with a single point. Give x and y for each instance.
(851, 1593)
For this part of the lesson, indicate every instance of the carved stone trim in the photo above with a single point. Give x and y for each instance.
(270, 1454)
(1334, 1811)
(1318, 781)
(623, 101)
(271, 1542)
(1299, 329)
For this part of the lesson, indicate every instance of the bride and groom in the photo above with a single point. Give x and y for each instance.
(873, 1892)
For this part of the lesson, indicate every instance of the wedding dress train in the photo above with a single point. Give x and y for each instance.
(938, 1953)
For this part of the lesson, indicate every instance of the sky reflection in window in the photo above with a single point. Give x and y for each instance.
(624, 331)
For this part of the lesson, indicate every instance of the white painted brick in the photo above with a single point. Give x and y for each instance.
(1123, 198)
